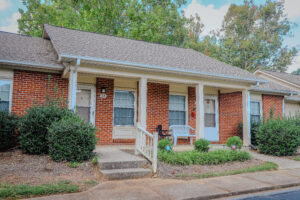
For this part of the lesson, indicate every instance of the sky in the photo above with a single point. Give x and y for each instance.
(211, 12)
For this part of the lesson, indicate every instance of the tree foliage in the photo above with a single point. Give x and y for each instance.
(252, 36)
(150, 20)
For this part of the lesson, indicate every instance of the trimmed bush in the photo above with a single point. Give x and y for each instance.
(33, 127)
(71, 139)
(279, 137)
(202, 145)
(162, 144)
(235, 140)
(202, 158)
(8, 124)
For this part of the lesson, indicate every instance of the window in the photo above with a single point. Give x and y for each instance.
(177, 110)
(5, 87)
(209, 113)
(124, 108)
(255, 111)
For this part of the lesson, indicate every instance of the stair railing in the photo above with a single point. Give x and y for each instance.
(146, 144)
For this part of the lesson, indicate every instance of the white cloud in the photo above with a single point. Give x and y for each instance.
(210, 16)
(4, 4)
(295, 65)
(12, 23)
(292, 8)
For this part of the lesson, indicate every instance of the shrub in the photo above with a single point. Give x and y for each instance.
(33, 127)
(279, 137)
(203, 158)
(162, 144)
(202, 145)
(235, 140)
(71, 139)
(254, 130)
(8, 124)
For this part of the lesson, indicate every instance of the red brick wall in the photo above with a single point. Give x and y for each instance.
(31, 87)
(230, 115)
(104, 111)
(272, 101)
(192, 106)
(157, 106)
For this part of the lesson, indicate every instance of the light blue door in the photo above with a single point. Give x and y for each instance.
(211, 121)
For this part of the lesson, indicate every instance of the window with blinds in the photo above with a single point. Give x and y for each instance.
(5, 87)
(209, 113)
(177, 110)
(124, 108)
(255, 111)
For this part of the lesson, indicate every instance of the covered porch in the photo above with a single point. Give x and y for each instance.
(118, 100)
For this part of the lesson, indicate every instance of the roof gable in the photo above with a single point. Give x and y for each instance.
(291, 78)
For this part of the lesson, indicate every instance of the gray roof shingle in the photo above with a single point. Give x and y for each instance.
(85, 44)
(272, 87)
(295, 79)
(26, 49)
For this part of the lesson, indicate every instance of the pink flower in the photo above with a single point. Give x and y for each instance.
(233, 147)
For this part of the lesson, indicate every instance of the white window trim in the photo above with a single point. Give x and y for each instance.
(10, 81)
(134, 106)
(93, 99)
(260, 108)
(186, 105)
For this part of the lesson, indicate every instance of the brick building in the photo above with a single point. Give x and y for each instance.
(119, 84)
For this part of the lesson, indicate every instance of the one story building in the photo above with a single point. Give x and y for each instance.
(119, 84)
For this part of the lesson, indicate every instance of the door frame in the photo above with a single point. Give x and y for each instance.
(92, 88)
(214, 97)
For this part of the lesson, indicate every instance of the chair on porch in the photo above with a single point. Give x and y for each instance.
(182, 131)
(162, 133)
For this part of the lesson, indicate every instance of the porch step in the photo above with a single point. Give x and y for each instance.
(117, 174)
(122, 164)
(116, 164)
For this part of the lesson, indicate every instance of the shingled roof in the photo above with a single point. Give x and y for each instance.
(70, 42)
(273, 88)
(26, 50)
(295, 79)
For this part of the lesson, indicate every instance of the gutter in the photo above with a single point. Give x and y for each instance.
(161, 68)
(37, 65)
(274, 91)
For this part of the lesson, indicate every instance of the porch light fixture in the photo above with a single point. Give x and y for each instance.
(103, 90)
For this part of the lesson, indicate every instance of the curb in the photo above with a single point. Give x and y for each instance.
(214, 196)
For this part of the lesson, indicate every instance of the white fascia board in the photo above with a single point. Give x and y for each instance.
(161, 68)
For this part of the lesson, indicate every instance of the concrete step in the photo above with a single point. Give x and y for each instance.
(117, 174)
(124, 164)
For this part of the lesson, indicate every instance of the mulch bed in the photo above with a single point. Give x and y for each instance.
(19, 168)
(170, 171)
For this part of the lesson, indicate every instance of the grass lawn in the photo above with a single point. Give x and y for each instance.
(297, 158)
(263, 167)
(22, 190)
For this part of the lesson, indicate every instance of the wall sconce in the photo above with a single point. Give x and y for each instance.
(103, 93)
(103, 90)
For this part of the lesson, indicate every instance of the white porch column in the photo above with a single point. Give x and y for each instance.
(246, 117)
(199, 111)
(142, 118)
(73, 86)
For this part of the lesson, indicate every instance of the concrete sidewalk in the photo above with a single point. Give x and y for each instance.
(171, 189)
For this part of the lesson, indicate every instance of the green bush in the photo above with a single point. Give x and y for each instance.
(202, 158)
(235, 140)
(8, 124)
(254, 130)
(162, 144)
(71, 139)
(33, 127)
(202, 145)
(279, 137)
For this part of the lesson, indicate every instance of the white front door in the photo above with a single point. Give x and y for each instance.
(85, 102)
(211, 122)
